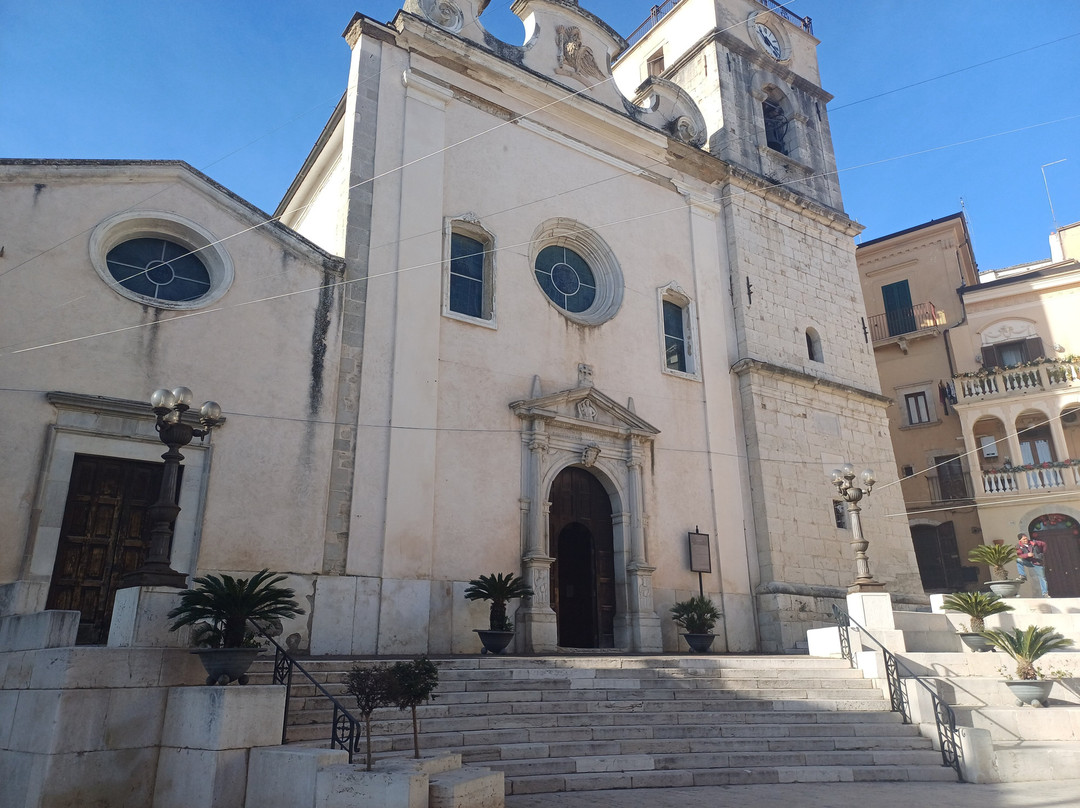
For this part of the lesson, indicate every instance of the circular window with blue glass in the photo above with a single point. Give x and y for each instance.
(161, 259)
(576, 271)
(566, 279)
(158, 268)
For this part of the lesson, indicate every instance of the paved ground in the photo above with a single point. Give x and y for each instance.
(1052, 794)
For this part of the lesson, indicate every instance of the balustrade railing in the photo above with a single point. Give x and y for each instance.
(657, 12)
(944, 716)
(345, 729)
(1014, 381)
(999, 482)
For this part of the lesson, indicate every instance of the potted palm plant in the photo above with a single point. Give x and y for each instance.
(1026, 647)
(218, 609)
(977, 606)
(997, 557)
(696, 616)
(500, 590)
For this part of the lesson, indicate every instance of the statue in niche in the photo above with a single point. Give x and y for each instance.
(586, 410)
(575, 56)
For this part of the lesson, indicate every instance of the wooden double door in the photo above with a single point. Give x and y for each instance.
(104, 535)
(583, 574)
(1062, 561)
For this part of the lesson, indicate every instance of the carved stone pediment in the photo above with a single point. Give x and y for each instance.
(667, 106)
(585, 408)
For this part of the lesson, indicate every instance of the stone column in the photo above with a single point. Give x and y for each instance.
(644, 623)
(540, 633)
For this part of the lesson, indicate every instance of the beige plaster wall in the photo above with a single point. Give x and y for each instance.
(64, 329)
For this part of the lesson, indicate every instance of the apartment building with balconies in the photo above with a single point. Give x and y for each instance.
(910, 281)
(984, 372)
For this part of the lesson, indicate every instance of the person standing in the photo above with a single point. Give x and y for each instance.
(1029, 557)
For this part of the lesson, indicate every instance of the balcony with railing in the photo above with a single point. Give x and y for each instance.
(657, 13)
(997, 383)
(1062, 476)
(913, 320)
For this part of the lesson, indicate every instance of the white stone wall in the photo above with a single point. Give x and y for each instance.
(253, 494)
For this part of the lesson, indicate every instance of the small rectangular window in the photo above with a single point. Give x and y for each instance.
(909, 471)
(655, 64)
(468, 293)
(839, 508)
(918, 410)
(674, 336)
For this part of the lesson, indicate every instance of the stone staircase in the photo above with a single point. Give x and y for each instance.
(576, 723)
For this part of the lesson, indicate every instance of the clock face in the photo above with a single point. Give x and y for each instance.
(769, 40)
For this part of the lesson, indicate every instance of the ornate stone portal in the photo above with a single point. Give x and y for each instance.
(585, 428)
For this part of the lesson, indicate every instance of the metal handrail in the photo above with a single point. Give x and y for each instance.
(345, 728)
(944, 717)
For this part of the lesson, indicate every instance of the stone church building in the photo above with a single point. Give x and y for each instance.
(544, 308)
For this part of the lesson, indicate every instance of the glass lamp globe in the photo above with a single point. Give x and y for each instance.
(184, 397)
(162, 399)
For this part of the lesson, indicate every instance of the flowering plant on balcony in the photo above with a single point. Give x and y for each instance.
(1070, 359)
(1008, 467)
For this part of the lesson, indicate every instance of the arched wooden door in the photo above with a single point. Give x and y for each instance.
(583, 575)
(1062, 562)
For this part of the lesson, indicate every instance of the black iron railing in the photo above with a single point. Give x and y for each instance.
(657, 12)
(907, 320)
(345, 729)
(944, 717)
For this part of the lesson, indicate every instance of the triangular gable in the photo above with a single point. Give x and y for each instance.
(585, 407)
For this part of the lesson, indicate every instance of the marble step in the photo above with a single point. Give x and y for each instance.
(683, 778)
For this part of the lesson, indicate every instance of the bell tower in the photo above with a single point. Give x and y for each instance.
(751, 67)
(802, 367)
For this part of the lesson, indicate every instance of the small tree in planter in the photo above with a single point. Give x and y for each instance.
(371, 687)
(219, 607)
(995, 556)
(977, 606)
(1026, 647)
(696, 616)
(411, 684)
(500, 590)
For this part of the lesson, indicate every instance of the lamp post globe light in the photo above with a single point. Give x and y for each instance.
(169, 407)
(844, 480)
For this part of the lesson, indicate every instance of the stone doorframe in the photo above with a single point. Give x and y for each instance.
(109, 427)
(583, 427)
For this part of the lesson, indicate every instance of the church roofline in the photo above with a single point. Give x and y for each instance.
(183, 170)
(312, 157)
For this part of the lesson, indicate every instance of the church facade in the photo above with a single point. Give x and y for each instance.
(591, 297)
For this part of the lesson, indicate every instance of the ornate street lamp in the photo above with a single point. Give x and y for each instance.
(844, 480)
(169, 406)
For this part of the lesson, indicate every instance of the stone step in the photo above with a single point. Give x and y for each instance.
(682, 778)
(1026, 761)
(571, 723)
(703, 761)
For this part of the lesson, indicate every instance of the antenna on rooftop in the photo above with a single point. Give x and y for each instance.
(1053, 216)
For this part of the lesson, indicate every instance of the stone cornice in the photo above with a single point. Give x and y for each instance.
(747, 366)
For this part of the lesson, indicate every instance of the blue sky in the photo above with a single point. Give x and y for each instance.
(241, 90)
